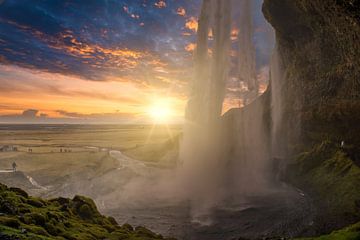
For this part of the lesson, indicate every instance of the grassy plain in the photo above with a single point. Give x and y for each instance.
(55, 155)
(139, 141)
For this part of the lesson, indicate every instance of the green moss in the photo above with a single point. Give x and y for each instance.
(18, 234)
(36, 230)
(19, 191)
(331, 176)
(34, 202)
(349, 233)
(61, 218)
(35, 218)
(9, 221)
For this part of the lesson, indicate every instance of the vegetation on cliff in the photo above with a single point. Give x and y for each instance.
(25, 217)
(333, 180)
(349, 233)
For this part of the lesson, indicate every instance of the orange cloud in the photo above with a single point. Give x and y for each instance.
(192, 24)
(181, 11)
(117, 57)
(190, 47)
(230, 103)
(160, 4)
(210, 35)
(234, 34)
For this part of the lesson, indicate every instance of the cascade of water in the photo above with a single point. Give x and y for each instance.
(246, 56)
(203, 151)
(279, 136)
(201, 148)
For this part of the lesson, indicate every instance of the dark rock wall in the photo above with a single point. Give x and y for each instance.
(318, 42)
(319, 45)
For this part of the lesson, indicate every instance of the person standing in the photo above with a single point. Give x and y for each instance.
(14, 166)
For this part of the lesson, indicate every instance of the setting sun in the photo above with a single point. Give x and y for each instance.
(160, 111)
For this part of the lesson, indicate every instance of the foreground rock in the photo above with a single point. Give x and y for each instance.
(26, 217)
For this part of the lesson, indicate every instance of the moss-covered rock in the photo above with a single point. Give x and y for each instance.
(25, 217)
(326, 172)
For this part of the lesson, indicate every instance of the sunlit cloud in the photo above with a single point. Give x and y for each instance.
(191, 24)
(181, 11)
(160, 4)
(190, 47)
(234, 34)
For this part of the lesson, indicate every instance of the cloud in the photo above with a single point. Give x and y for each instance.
(181, 11)
(98, 116)
(112, 45)
(192, 24)
(27, 116)
(30, 113)
(160, 4)
(190, 47)
(32, 116)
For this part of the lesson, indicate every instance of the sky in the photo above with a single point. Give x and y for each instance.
(102, 61)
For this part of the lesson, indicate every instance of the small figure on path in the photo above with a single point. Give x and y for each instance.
(14, 166)
(342, 144)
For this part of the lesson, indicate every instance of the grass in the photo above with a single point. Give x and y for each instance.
(143, 142)
(328, 172)
(50, 167)
(121, 137)
(47, 168)
(332, 178)
(349, 233)
(25, 217)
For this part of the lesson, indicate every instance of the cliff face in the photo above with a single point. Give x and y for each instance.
(319, 46)
(318, 43)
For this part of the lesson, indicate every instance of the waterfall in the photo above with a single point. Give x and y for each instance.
(284, 130)
(276, 103)
(204, 153)
(201, 147)
(246, 56)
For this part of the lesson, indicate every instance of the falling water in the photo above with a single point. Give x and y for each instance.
(207, 160)
(278, 140)
(246, 56)
(201, 150)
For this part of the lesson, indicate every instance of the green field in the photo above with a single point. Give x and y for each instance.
(139, 141)
(57, 155)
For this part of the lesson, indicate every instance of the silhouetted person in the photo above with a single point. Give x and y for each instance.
(14, 166)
